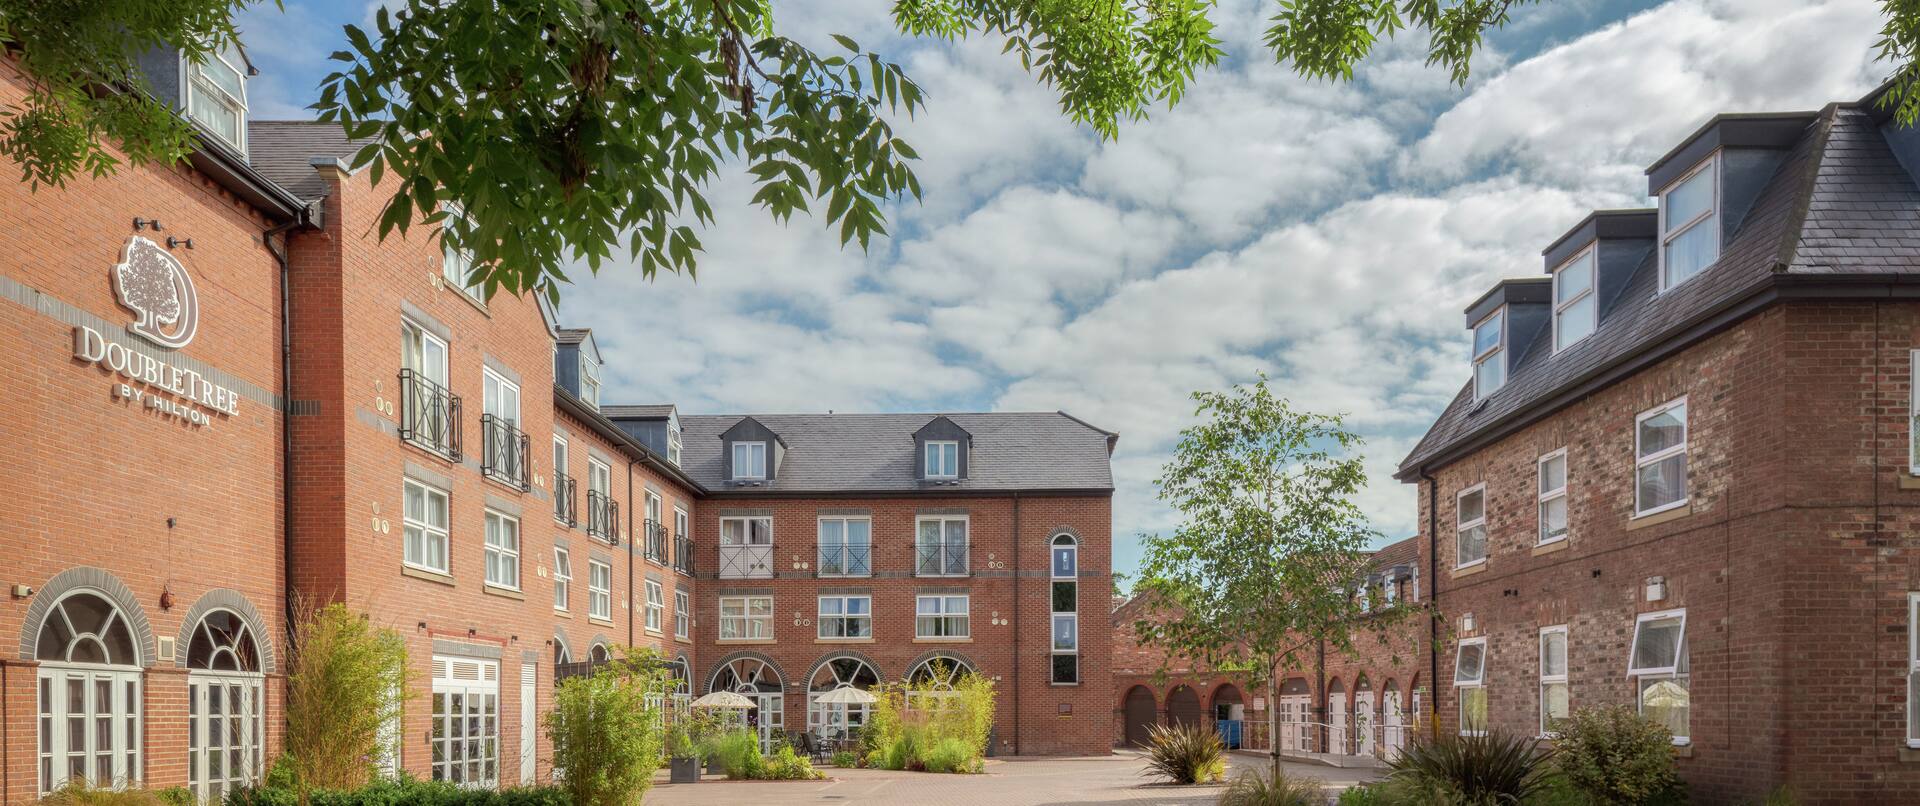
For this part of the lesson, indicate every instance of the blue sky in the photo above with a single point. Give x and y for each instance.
(1327, 234)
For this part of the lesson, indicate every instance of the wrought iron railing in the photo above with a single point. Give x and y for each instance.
(683, 554)
(566, 504)
(746, 562)
(503, 455)
(429, 415)
(846, 560)
(941, 559)
(603, 517)
(580, 668)
(654, 546)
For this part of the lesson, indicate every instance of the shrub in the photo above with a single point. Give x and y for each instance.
(78, 793)
(951, 755)
(346, 684)
(680, 742)
(1185, 754)
(605, 732)
(1616, 756)
(404, 790)
(1497, 767)
(738, 752)
(1260, 789)
(785, 765)
(846, 758)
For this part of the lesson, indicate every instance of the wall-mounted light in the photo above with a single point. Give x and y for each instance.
(145, 223)
(1656, 588)
(175, 243)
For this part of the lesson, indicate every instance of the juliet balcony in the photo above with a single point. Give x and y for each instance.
(503, 453)
(429, 415)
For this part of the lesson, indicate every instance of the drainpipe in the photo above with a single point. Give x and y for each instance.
(1433, 601)
(1016, 623)
(286, 411)
(630, 535)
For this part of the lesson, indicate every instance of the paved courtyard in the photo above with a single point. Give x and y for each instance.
(1034, 782)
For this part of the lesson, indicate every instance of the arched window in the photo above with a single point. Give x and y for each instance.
(761, 683)
(943, 671)
(599, 654)
(225, 731)
(560, 654)
(834, 719)
(89, 697)
(1066, 610)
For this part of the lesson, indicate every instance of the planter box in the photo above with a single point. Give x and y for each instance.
(684, 770)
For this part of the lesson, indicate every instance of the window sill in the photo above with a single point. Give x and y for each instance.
(943, 640)
(683, 639)
(430, 576)
(1549, 548)
(503, 484)
(1064, 685)
(1682, 748)
(868, 575)
(566, 614)
(942, 576)
(464, 296)
(843, 640)
(1656, 518)
(1908, 481)
(1469, 570)
(496, 590)
(654, 633)
(1909, 754)
(734, 641)
(604, 622)
(429, 450)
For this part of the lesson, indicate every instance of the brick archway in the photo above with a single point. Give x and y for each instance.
(1183, 706)
(1139, 711)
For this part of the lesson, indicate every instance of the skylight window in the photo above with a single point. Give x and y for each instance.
(1574, 308)
(1489, 354)
(1690, 224)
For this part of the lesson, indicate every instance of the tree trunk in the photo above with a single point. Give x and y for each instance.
(1273, 723)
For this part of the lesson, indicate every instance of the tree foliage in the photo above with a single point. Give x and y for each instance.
(347, 685)
(564, 130)
(608, 731)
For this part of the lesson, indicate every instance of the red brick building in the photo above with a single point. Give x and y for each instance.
(1340, 707)
(234, 397)
(1683, 476)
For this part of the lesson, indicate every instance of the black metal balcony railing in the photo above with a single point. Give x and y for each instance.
(846, 560)
(566, 506)
(752, 561)
(503, 454)
(579, 668)
(683, 554)
(654, 546)
(941, 559)
(603, 517)
(429, 415)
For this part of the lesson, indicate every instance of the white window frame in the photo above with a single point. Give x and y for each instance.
(1591, 257)
(846, 619)
(488, 377)
(599, 597)
(656, 613)
(457, 265)
(499, 555)
(589, 380)
(820, 542)
(751, 471)
(1711, 217)
(1477, 682)
(197, 87)
(1071, 550)
(562, 454)
(673, 443)
(1641, 461)
(600, 477)
(1640, 674)
(1913, 670)
(936, 456)
(944, 571)
(1549, 496)
(1913, 413)
(1496, 353)
(682, 614)
(427, 531)
(412, 332)
(562, 578)
(745, 625)
(1461, 527)
(1546, 679)
(477, 721)
(940, 612)
(125, 713)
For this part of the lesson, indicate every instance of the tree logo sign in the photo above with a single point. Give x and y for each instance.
(149, 281)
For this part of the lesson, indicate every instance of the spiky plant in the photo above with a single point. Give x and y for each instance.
(1185, 754)
(1492, 768)
(1260, 789)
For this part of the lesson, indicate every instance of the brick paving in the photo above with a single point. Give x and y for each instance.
(1012, 782)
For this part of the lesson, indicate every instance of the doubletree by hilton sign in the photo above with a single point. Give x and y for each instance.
(151, 283)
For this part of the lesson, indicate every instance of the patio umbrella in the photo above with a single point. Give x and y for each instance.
(847, 695)
(725, 699)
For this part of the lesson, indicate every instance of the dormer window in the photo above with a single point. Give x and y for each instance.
(1490, 354)
(943, 460)
(217, 97)
(1690, 224)
(1574, 307)
(589, 380)
(673, 441)
(749, 460)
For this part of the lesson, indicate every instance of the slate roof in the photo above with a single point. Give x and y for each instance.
(874, 453)
(1839, 203)
(1404, 552)
(571, 335)
(645, 411)
(283, 151)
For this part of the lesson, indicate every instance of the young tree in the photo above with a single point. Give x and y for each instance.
(608, 729)
(566, 129)
(1267, 562)
(345, 690)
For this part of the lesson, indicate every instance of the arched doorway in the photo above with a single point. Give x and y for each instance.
(1363, 719)
(1229, 714)
(90, 692)
(1296, 710)
(1139, 714)
(1183, 706)
(834, 720)
(760, 682)
(1393, 731)
(225, 701)
(1336, 717)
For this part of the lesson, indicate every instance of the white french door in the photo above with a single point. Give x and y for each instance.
(1363, 721)
(772, 716)
(89, 726)
(529, 694)
(225, 733)
(1393, 727)
(466, 721)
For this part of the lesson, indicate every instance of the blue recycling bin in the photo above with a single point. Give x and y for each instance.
(1229, 730)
